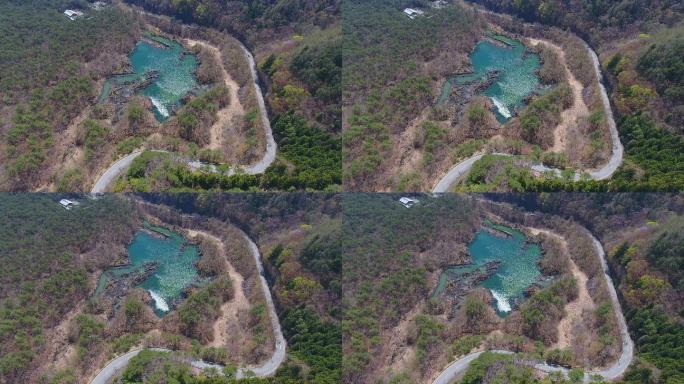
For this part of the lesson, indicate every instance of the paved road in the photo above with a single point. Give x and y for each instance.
(606, 171)
(617, 150)
(113, 172)
(611, 373)
(269, 367)
(270, 154)
(266, 368)
(117, 364)
(455, 173)
(458, 171)
(121, 165)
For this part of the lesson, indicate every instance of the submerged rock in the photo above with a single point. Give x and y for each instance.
(457, 289)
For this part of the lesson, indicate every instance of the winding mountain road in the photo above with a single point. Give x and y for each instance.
(121, 165)
(606, 171)
(114, 171)
(611, 373)
(267, 368)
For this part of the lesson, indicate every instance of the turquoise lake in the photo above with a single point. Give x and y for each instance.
(517, 78)
(175, 271)
(176, 68)
(517, 271)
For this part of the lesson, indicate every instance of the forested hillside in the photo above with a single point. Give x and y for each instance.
(398, 329)
(640, 47)
(390, 66)
(55, 329)
(297, 48)
(599, 21)
(48, 256)
(385, 276)
(260, 19)
(47, 77)
(299, 236)
(642, 237)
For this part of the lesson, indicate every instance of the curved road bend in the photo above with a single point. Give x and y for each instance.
(113, 172)
(605, 172)
(266, 368)
(611, 373)
(122, 164)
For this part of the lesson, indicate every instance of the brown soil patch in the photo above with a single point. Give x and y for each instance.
(229, 309)
(573, 309)
(65, 151)
(396, 356)
(578, 108)
(234, 108)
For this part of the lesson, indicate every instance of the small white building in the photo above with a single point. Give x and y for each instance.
(439, 4)
(408, 202)
(412, 13)
(73, 14)
(68, 204)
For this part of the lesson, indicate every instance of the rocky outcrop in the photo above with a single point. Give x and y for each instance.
(457, 289)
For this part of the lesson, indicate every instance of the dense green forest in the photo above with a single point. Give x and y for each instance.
(599, 21)
(247, 18)
(654, 161)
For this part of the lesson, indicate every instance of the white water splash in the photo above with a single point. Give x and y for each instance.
(159, 301)
(160, 107)
(502, 303)
(503, 110)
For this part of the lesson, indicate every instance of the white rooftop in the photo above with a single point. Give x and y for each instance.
(412, 12)
(66, 203)
(73, 13)
(407, 201)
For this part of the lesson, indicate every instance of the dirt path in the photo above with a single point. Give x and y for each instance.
(234, 107)
(229, 309)
(60, 351)
(578, 108)
(397, 356)
(573, 309)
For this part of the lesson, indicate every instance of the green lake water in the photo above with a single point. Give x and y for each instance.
(517, 80)
(176, 67)
(175, 271)
(517, 271)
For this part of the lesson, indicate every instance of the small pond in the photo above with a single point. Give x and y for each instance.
(517, 265)
(163, 70)
(517, 74)
(174, 266)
